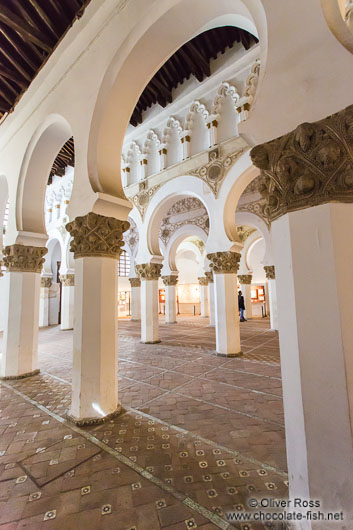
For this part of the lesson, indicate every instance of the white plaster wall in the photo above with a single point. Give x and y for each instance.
(255, 261)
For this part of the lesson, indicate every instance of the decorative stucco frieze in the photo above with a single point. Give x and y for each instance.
(245, 279)
(209, 276)
(67, 280)
(45, 282)
(96, 235)
(270, 272)
(149, 271)
(184, 206)
(142, 199)
(24, 258)
(135, 282)
(252, 81)
(170, 280)
(309, 166)
(203, 280)
(214, 172)
(224, 262)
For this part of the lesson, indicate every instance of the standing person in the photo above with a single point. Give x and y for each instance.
(241, 306)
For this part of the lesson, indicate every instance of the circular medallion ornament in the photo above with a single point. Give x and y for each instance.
(143, 199)
(214, 172)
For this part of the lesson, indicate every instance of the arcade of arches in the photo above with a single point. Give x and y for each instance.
(166, 159)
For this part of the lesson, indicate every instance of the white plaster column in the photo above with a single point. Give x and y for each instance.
(163, 158)
(135, 299)
(313, 272)
(45, 284)
(67, 301)
(149, 274)
(94, 375)
(225, 266)
(272, 295)
(212, 132)
(186, 146)
(308, 185)
(170, 283)
(204, 296)
(22, 292)
(211, 297)
(245, 287)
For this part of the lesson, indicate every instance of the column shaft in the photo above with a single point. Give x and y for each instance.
(67, 307)
(149, 311)
(94, 377)
(44, 307)
(313, 266)
(272, 294)
(170, 304)
(135, 303)
(227, 318)
(211, 303)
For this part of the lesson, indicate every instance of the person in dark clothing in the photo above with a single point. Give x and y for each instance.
(241, 306)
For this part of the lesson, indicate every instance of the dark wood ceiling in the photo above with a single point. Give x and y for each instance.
(65, 157)
(29, 32)
(192, 58)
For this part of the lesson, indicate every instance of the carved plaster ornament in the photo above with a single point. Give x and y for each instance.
(149, 271)
(45, 282)
(209, 276)
(170, 280)
(203, 280)
(68, 280)
(142, 199)
(252, 81)
(270, 272)
(96, 235)
(135, 282)
(245, 279)
(309, 166)
(24, 258)
(244, 232)
(225, 90)
(131, 236)
(224, 262)
(216, 169)
(183, 206)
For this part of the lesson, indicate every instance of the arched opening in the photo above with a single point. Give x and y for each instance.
(139, 59)
(36, 170)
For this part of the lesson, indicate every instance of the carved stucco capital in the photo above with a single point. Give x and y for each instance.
(24, 258)
(45, 282)
(224, 262)
(209, 276)
(68, 280)
(135, 282)
(149, 271)
(97, 235)
(245, 279)
(203, 280)
(170, 280)
(270, 272)
(309, 166)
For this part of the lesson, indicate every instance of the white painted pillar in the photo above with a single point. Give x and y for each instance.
(22, 292)
(204, 296)
(45, 284)
(225, 266)
(272, 295)
(163, 158)
(135, 299)
(67, 301)
(186, 146)
(170, 283)
(314, 260)
(245, 287)
(211, 297)
(149, 274)
(94, 374)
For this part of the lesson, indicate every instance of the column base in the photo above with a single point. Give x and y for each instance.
(171, 322)
(239, 354)
(135, 320)
(85, 422)
(21, 376)
(211, 325)
(150, 341)
(66, 329)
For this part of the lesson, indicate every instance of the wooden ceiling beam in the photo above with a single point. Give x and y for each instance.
(9, 87)
(16, 64)
(44, 17)
(12, 75)
(16, 23)
(13, 40)
(5, 97)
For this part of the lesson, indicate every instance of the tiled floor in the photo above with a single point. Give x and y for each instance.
(200, 436)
